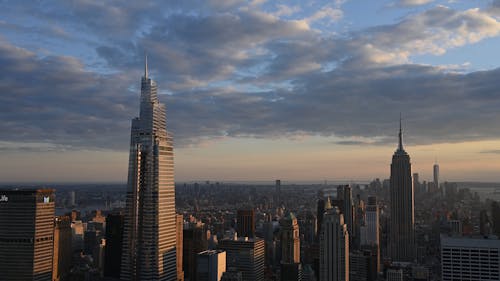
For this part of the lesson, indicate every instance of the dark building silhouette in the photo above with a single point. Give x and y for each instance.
(194, 241)
(320, 214)
(26, 234)
(495, 217)
(114, 241)
(246, 223)
(402, 225)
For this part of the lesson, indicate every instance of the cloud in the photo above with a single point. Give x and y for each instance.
(406, 3)
(225, 70)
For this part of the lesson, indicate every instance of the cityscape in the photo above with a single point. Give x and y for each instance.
(413, 194)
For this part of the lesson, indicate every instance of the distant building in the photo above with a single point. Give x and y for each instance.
(245, 255)
(114, 241)
(26, 234)
(344, 195)
(470, 259)
(61, 259)
(394, 274)
(232, 275)
(290, 249)
(179, 222)
(320, 213)
(246, 223)
(436, 175)
(277, 193)
(334, 247)
(372, 224)
(194, 241)
(210, 265)
(402, 222)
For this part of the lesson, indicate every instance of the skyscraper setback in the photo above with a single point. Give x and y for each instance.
(402, 227)
(149, 244)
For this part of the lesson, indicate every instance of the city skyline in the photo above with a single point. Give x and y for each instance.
(255, 90)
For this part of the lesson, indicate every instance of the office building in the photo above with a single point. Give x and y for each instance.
(149, 234)
(114, 241)
(402, 225)
(26, 234)
(436, 175)
(470, 259)
(334, 247)
(344, 197)
(194, 241)
(395, 274)
(277, 193)
(246, 223)
(245, 255)
(61, 258)
(232, 275)
(290, 248)
(210, 265)
(179, 222)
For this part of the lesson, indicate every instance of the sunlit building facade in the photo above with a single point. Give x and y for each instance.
(149, 246)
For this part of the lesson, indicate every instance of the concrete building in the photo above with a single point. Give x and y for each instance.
(334, 247)
(149, 239)
(210, 265)
(470, 259)
(179, 223)
(402, 222)
(245, 255)
(26, 234)
(245, 223)
(61, 258)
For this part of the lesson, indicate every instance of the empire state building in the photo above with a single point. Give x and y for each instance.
(149, 237)
(402, 225)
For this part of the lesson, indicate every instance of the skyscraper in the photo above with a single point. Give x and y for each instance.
(334, 247)
(27, 233)
(290, 248)
(246, 255)
(114, 241)
(372, 237)
(246, 223)
(344, 195)
(402, 227)
(277, 193)
(61, 259)
(210, 265)
(436, 176)
(150, 231)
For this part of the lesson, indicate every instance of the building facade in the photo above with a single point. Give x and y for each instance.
(149, 251)
(245, 255)
(470, 259)
(402, 222)
(334, 247)
(61, 259)
(210, 265)
(26, 234)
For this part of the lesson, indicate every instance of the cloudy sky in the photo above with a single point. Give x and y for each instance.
(255, 90)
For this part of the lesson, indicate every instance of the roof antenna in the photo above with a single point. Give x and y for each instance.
(146, 65)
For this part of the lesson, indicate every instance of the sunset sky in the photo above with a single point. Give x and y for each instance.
(255, 90)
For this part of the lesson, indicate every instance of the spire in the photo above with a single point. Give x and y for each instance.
(145, 65)
(400, 147)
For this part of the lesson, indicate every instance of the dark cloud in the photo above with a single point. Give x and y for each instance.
(227, 70)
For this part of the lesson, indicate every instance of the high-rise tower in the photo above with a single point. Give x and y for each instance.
(435, 169)
(26, 234)
(334, 247)
(149, 237)
(402, 227)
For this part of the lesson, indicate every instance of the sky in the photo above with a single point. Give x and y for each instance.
(255, 90)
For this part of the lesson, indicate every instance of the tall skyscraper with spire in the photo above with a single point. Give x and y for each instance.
(402, 225)
(149, 241)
